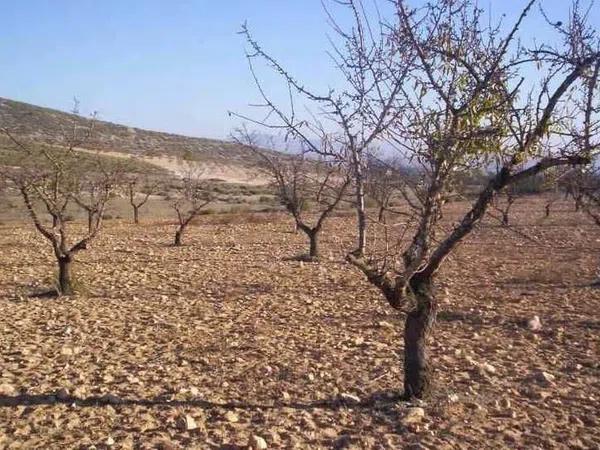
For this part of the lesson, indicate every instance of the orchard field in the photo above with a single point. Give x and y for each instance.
(229, 342)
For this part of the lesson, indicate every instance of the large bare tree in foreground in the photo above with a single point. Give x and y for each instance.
(451, 92)
(52, 178)
(309, 189)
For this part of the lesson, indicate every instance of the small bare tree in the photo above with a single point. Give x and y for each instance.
(588, 185)
(49, 179)
(452, 93)
(191, 197)
(503, 203)
(94, 189)
(574, 183)
(309, 189)
(385, 181)
(139, 187)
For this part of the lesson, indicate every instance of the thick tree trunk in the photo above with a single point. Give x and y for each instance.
(418, 372)
(136, 215)
(65, 284)
(380, 216)
(90, 221)
(505, 219)
(178, 236)
(314, 248)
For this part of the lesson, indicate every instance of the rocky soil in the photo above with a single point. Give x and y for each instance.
(226, 343)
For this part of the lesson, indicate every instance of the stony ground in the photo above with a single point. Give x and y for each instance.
(225, 342)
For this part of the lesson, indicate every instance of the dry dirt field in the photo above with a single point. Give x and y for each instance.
(206, 345)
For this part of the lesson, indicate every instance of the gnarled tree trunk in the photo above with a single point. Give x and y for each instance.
(314, 247)
(65, 284)
(90, 221)
(178, 236)
(136, 215)
(418, 372)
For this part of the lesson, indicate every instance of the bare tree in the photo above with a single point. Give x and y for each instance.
(94, 189)
(575, 182)
(588, 187)
(503, 203)
(385, 181)
(191, 197)
(49, 180)
(451, 92)
(139, 188)
(309, 189)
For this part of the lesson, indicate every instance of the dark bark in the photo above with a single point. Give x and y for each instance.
(65, 284)
(505, 220)
(90, 221)
(314, 248)
(380, 216)
(178, 236)
(547, 210)
(136, 215)
(418, 372)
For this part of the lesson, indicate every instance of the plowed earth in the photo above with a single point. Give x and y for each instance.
(207, 345)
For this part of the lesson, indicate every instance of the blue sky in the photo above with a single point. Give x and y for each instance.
(174, 66)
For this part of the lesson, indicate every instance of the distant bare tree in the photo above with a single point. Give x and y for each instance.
(49, 179)
(386, 180)
(139, 188)
(94, 189)
(574, 183)
(503, 202)
(588, 188)
(452, 92)
(191, 197)
(309, 189)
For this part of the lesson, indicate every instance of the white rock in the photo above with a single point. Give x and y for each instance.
(488, 368)
(544, 377)
(350, 398)
(534, 324)
(109, 441)
(257, 443)
(413, 415)
(231, 417)
(188, 423)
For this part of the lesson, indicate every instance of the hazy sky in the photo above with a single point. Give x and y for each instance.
(174, 65)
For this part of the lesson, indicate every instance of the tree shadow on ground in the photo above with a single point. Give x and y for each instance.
(380, 400)
(385, 408)
(303, 257)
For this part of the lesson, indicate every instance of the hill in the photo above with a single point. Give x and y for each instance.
(221, 160)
